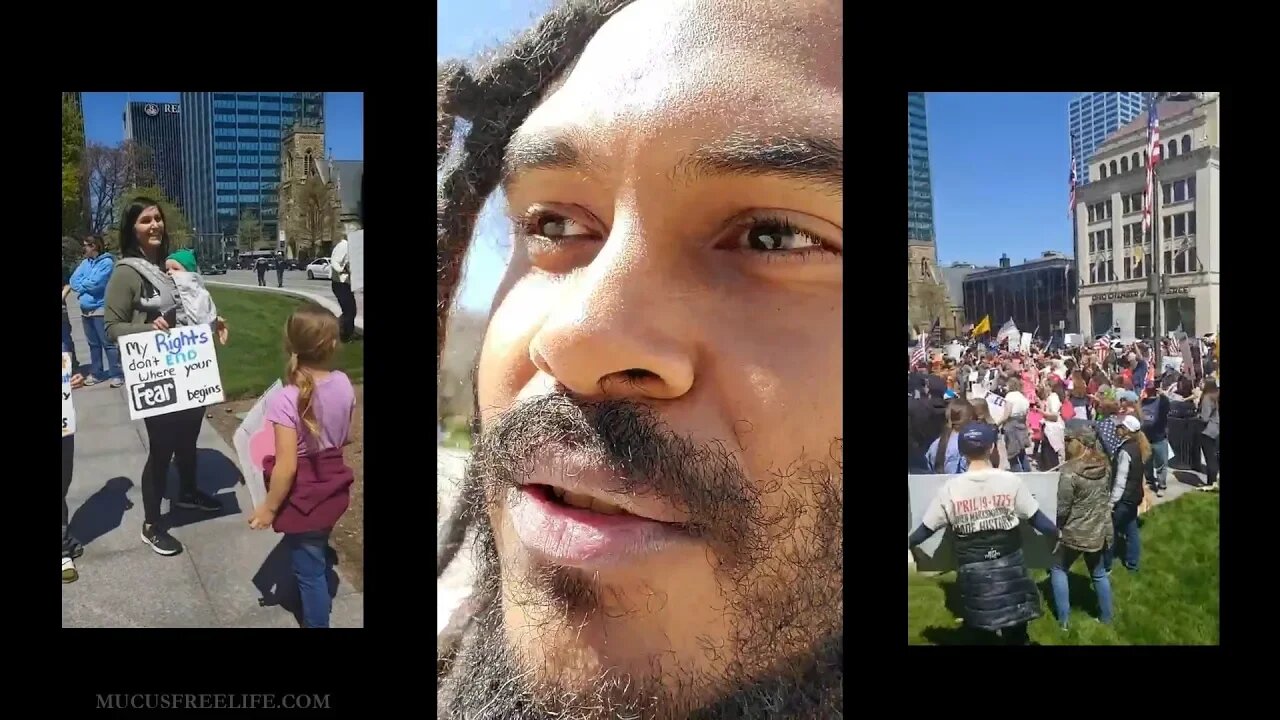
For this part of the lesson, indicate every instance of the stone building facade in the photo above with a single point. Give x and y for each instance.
(301, 158)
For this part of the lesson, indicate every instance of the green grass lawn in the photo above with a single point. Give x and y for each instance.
(254, 357)
(1173, 600)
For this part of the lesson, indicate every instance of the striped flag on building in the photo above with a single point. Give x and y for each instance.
(1153, 158)
(919, 355)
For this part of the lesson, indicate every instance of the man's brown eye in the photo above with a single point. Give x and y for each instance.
(776, 235)
(555, 227)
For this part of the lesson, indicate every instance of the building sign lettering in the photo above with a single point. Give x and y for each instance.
(1135, 294)
(171, 108)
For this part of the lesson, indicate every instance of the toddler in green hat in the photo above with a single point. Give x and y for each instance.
(195, 305)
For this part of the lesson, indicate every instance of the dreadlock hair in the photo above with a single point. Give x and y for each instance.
(494, 97)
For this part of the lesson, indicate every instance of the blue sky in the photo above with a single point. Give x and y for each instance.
(344, 119)
(466, 28)
(1000, 163)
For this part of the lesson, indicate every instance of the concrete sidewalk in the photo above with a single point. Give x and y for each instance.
(327, 302)
(227, 575)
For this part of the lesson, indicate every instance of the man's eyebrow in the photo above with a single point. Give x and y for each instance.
(563, 150)
(807, 159)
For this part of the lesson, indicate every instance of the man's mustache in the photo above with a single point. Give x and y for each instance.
(629, 439)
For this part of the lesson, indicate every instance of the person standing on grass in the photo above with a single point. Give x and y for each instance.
(142, 298)
(308, 480)
(943, 455)
(984, 507)
(71, 548)
(89, 281)
(1126, 492)
(1084, 519)
(340, 282)
(1209, 436)
(1154, 412)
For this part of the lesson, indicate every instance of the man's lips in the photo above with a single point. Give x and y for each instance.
(592, 482)
(581, 537)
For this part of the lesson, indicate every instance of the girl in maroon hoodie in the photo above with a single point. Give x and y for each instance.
(308, 481)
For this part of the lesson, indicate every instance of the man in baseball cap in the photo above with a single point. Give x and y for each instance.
(983, 507)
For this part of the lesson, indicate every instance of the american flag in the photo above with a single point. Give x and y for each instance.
(918, 355)
(1153, 157)
(1071, 202)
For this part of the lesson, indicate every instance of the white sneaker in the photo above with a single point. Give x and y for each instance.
(69, 573)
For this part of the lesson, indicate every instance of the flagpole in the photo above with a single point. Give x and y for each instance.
(1157, 259)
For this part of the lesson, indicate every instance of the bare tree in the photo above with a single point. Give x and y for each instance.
(310, 217)
(110, 172)
(249, 231)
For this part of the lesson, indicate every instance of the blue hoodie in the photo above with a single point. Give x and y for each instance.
(89, 281)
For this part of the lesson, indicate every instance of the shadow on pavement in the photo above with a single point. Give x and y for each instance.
(276, 582)
(215, 472)
(1189, 479)
(102, 512)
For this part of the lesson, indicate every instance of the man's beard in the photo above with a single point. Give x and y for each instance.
(784, 655)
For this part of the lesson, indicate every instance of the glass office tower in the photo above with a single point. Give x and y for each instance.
(231, 154)
(919, 181)
(1093, 117)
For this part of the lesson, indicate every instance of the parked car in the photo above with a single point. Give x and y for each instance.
(319, 268)
(213, 269)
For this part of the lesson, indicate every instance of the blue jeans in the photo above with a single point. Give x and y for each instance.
(1158, 466)
(1125, 517)
(309, 553)
(1019, 462)
(1095, 562)
(95, 331)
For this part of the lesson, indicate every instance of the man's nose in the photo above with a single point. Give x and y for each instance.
(615, 334)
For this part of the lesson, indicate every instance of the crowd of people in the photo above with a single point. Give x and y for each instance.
(151, 289)
(1100, 416)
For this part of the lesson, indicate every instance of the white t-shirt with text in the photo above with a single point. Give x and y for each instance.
(981, 500)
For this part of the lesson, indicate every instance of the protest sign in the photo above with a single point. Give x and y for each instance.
(68, 408)
(165, 372)
(254, 441)
(1024, 346)
(937, 554)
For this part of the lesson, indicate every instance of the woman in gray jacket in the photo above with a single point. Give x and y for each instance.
(1209, 436)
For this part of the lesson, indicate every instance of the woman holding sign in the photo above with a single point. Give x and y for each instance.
(141, 297)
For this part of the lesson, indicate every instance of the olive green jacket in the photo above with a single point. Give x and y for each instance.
(122, 315)
(1084, 503)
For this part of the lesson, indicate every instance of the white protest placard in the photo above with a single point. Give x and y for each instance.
(996, 405)
(937, 554)
(169, 371)
(1025, 345)
(68, 408)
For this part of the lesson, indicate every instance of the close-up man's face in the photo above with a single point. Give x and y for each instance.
(660, 464)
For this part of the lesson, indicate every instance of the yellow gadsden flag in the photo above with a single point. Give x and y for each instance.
(982, 327)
